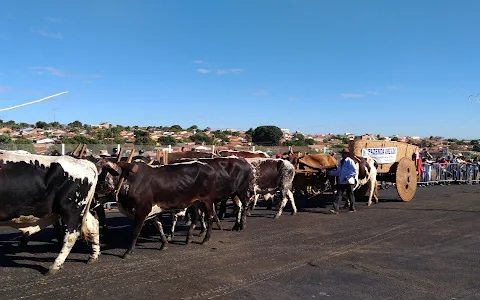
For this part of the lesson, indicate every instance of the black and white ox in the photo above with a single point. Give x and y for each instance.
(366, 175)
(37, 190)
(271, 176)
(148, 191)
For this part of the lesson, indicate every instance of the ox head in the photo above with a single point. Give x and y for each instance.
(292, 157)
(110, 174)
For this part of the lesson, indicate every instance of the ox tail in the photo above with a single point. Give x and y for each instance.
(90, 227)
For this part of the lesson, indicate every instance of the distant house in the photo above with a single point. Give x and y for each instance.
(102, 125)
(46, 141)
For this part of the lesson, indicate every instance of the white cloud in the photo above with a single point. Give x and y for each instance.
(357, 95)
(60, 73)
(204, 71)
(393, 87)
(229, 71)
(260, 93)
(352, 95)
(47, 33)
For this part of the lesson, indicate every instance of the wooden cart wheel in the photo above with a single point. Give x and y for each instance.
(406, 179)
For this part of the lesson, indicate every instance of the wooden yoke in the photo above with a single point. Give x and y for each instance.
(129, 160)
(77, 153)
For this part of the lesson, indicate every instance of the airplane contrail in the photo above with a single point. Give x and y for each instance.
(36, 101)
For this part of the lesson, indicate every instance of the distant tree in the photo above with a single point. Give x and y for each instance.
(167, 140)
(24, 125)
(476, 148)
(79, 139)
(10, 123)
(474, 142)
(207, 129)
(143, 138)
(394, 139)
(192, 128)
(24, 144)
(41, 124)
(345, 140)
(5, 139)
(310, 141)
(201, 137)
(54, 125)
(296, 140)
(75, 124)
(249, 134)
(267, 135)
(338, 146)
(235, 133)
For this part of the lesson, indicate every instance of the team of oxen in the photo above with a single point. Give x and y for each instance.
(37, 191)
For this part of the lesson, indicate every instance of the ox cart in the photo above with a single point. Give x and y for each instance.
(396, 164)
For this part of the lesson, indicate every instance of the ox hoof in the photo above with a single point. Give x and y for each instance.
(163, 247)
(276, 217)
(170, 238)
(294, 213)
(249, 214)
(92, 260)
(369, 203)
(204, 243)
(188, 223)
(236, 227)
(127, 255)
(202, 233)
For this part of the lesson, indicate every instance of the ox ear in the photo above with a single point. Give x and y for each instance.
(129, 167)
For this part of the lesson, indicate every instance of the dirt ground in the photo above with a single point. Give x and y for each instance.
(428, 248)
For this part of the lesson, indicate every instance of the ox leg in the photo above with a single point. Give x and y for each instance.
(292, 202)
(209, 213)
(90, 230)
(282, 205)
(38, 226)
(193, 223)
(140, 216)
(239, 213)
(102, 220)
(222, 210)
(159, 226)
(68, 242)
(217, 220)
(375, 192)
(174, 224)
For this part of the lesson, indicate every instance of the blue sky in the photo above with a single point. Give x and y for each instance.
(390, 67)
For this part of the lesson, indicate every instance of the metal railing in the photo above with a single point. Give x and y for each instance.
(441, 173)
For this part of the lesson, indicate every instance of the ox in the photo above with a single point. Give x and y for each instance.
(244, 154)
(37, 190)
(270, 176)
(366, 175)
(312, 163)
(233, 175)
(147, 191)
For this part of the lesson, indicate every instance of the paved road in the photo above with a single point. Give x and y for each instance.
(425, 249)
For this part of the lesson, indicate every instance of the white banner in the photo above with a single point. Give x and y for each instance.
(381, 155)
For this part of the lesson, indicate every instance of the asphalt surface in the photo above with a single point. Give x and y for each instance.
(428, 248)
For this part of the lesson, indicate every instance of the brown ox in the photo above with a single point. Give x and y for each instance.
(311, 163)
(244, 154)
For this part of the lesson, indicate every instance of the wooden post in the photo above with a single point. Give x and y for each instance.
(165, 157)
(158, 154)
(63, 149)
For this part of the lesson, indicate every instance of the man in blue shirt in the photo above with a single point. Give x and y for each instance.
(346, 174)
